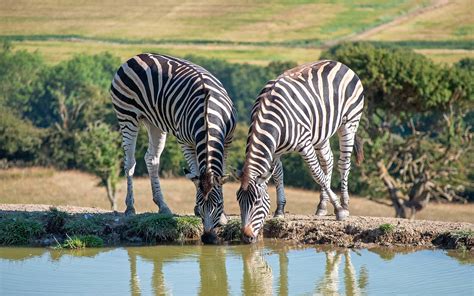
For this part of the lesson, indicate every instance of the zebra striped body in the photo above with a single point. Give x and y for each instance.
(300, 111)
(171, 95)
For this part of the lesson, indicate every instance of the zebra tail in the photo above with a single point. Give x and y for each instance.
(359, 149)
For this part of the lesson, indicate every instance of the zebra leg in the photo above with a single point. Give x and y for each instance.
(325, 157)
(129, 140)
(278, 179)
(346, 142)
(156, 144)
(309, 154)
(191, 159)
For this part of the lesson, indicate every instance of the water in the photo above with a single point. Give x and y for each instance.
(263, 269)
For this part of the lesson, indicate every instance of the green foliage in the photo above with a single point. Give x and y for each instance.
(231, 231)
(19, 71)
(100, 153)
(82, 241)
(163, 228)
(19, 139)
(55, 221)
(386, 228)
(73, 243)
(19, 231)
(84, 226)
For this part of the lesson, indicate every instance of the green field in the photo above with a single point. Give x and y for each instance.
(256, 32)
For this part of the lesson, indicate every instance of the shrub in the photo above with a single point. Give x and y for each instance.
(56, 221)
(84, 226)
(19, 231)
(231, 231)
(386, 228)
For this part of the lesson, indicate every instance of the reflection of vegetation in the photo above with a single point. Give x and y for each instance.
(463, 257)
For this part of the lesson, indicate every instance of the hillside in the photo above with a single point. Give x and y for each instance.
(252, 32)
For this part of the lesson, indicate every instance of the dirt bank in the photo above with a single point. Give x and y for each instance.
(52, 227)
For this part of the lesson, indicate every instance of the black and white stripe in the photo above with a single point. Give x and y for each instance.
(172, 95)
(300, 111)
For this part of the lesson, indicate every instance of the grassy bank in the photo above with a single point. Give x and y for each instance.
(60, 229)
(71, 230)
(74, 188)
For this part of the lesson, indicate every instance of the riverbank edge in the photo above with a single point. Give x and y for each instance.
(47, 226)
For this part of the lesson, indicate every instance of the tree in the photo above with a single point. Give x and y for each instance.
(19, 139)
(100, 153)
(415, 124)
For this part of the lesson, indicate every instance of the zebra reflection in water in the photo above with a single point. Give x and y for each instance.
(258, 277)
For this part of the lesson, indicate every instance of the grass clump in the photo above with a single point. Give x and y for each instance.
(55, 221)
(83, 226)
(19, 231)
(163, 228)
(386, 228)
(82, 241)
(463, 234)
(231, 231)
(188, 227)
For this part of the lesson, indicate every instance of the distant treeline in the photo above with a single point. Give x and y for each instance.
(47, 111)
(304, 43)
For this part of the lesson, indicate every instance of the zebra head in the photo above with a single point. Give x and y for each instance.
(209, 203)
(254, 204)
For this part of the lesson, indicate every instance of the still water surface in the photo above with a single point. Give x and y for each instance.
(263, 269)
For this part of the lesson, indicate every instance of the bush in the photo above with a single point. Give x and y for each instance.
(82, 241)
(19, 231)
(231, 231)
(82, 226)
(386, 228)
(56, 221)
(163, 228)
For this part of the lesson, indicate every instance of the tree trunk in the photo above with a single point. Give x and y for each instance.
(111, 194)
(398, 199)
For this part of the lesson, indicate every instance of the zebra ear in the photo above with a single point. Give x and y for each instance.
(237, 174)
(191, 176)
(264, 178)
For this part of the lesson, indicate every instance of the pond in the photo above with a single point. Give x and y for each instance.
(266, 268)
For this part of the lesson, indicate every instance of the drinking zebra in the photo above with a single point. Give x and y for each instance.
(299, 111)
(171, 95)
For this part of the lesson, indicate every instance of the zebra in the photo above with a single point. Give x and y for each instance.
(299, 111)
(172, 95)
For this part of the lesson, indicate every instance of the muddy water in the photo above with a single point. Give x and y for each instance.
(263, 269)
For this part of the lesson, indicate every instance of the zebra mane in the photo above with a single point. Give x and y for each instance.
(205, 179)
(245, 178)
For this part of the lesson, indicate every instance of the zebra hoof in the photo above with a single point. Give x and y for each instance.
(279, 214)
(342, 214)
(321, 212)
(165, 211)
(130, 212)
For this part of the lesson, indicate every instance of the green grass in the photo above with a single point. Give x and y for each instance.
(217, 20)
(83, 226)
(153, 228)
(56, 221)
(19, 231)
(386, 228)
(82, 241)
(231, 231)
